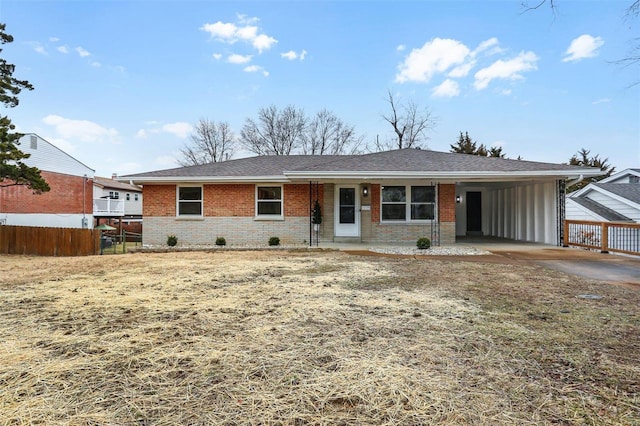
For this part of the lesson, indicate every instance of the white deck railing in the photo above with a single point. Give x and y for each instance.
(108, 207)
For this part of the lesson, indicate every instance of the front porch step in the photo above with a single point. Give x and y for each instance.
(347, 240)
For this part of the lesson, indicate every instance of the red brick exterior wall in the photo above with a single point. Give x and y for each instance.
(65, 196)
(297, 202)
(447, 202)
(227, 200)
(159, 200)
(375, 203)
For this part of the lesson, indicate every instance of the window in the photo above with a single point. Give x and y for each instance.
(269, 201)
(634, 179)
(408, 203)
(114, 195)
(423, 201)
(394, 203)
(128, 197)
(189, 201)
(135, 197)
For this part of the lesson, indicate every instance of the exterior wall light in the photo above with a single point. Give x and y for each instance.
(365, 191)
(458, 199)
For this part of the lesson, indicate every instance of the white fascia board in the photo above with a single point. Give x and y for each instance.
(616, 176)
(457, 176)
(202, 179)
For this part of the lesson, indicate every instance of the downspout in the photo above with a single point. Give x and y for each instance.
(573, 182)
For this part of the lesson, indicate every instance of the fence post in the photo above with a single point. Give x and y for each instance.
(565, 241)
(124, 241)
(605, 238)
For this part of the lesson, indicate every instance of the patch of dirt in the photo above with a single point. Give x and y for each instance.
(312, 338)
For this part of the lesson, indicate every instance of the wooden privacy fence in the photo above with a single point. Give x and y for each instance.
(41, 241)
(621, 237)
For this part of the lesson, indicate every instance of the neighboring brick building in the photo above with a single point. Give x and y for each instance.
(67, 205)
(386, 198)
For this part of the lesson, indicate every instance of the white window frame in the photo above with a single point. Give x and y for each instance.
(136, 197)
(201, 200)
(407, 203)
(128, 197)
(114, 195)
(257, 201)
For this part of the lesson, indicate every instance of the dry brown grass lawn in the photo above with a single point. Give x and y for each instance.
(248, 338)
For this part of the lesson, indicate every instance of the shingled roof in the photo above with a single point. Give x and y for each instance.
(630, 191)
(601, 210)
(387, 164)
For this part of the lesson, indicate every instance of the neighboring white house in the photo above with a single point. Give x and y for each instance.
(114, 199)
(614, 199)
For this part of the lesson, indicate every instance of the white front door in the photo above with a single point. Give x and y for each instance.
(347, 212)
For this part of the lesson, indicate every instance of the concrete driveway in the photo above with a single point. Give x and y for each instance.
(590, 264)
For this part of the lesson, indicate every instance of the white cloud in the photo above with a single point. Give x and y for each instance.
(179, 129)
(82, 52)
(54, 39)
(239, 59)
(511, 69)
(583, 47)
(82, 130)
(601, 101)
(292, 55)
(448, 89)
(217, 56)
(141, 134)
(95, 64)
(462, 70)
(256, 68)
(505, 92)
(436, 56)
(244, 30)
(489, 46)
(401, 48)
(63, 49)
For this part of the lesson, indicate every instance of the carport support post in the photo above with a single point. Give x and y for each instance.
(605, 238)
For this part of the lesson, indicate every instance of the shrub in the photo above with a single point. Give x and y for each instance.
(423, 243)
(316, 213)
(172, 240)
(274, 241)
(220, 241)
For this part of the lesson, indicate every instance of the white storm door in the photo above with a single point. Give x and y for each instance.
(347, 211)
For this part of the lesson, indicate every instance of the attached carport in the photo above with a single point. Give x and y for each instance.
(521, 210)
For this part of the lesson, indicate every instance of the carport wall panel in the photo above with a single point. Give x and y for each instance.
(237, 231)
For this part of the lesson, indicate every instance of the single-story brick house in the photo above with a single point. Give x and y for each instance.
(384, 197)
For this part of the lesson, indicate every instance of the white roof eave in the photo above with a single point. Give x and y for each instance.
(451, 175)
(202, 179)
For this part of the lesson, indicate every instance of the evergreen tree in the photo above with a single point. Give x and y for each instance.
(12, 170)
(582, 158)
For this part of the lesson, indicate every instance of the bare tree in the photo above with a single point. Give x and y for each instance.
(275, 132)
(326, 134)
(210, 143)
(410, 124)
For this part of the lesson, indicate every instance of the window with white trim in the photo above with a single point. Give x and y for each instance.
(135, 197)
(189, 201)
(400, 203)
(269, 201)
(128, 197)
(114, 195)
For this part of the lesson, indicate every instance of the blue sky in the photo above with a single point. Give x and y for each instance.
(119, 84)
